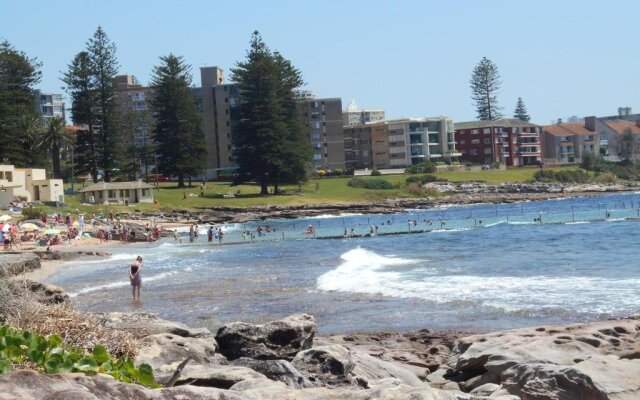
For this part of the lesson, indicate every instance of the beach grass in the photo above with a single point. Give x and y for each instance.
(318, 191)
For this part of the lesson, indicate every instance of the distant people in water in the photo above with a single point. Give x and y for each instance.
(135, 277)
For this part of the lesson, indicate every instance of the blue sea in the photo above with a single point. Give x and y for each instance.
(481, 267)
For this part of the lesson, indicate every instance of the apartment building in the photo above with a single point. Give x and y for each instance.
(137, 120)
(609, 132)
(219, 100)
(323, 120)
(399, 143)
(49, 105)
(30, 184)
(353, 116)
(509, 141)
(566, 143)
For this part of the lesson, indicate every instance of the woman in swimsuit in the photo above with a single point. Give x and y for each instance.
(135, 278)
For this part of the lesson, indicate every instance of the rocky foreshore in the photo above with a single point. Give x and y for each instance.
(452, 194)
(285, 360)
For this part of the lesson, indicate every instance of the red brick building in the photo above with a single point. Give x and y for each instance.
(509, 141)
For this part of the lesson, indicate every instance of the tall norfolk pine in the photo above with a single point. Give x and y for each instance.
(104, 68)
(178, 134)
(89, 81)
(269, 143)
(485, 83)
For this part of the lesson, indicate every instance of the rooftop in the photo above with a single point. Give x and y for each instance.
(567, 129)
(498, 123)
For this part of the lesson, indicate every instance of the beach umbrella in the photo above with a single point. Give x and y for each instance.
(6, 227)
(13, 229)
(51, 232)
(76, 223)
(5, 218)
(29, 227)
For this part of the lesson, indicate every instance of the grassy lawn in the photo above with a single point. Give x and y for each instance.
(316, 191)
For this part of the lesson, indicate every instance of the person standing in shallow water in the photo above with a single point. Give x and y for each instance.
(135, 277)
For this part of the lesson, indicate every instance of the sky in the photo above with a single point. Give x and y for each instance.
(409, 58)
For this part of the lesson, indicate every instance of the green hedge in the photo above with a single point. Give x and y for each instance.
(372, 183)
(423, 179)
(563, 176)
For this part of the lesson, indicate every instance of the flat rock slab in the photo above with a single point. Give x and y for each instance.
(142, 324)
(166, 350)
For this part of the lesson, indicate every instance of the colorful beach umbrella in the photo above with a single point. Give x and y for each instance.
(51, 232)
(5, 218)
(76, 223)
(29, 227)
(6, 227)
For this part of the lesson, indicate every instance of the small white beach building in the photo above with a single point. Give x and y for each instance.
(118, 193)
(28, 184)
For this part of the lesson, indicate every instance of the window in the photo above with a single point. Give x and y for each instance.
(486, 130)
(317, 146)
(475, 141)
(315, 104)
(462, 142)
(315, 115)
(487, 150)
(487, 140)
(112, 194)
(315, 124)
(124, 193)
(475, 131)
(463, 151)
(317, 157)
(315, 136)
(474, 152)
(145, 192)
(226, 99)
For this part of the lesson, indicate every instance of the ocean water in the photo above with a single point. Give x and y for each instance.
(485, 267)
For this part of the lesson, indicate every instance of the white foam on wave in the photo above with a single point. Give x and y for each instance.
(494, 224)
(577, 223)
(117, 284)
(364, 272)
(361, 271)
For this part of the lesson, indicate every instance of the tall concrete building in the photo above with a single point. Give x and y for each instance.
(323, 120)
(137, 120)
(352, 116)
(218, 101)
(49, 105)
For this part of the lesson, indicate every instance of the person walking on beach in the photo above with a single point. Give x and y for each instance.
(135, 278)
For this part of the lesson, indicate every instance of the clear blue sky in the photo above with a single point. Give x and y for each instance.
(410, 58)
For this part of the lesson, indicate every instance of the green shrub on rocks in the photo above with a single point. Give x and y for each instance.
(423, 179)
(563, 176)
(33, 212)
(374, 183)
(52, 356)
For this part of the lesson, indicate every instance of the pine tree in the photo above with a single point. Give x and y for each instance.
(485, 83)
(80, 86)
(270, 146)
(521, 111)
(18, 76)
(178, 133)
(104, 67)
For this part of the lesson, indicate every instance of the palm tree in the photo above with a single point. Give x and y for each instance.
(54, 138)
(29, 130)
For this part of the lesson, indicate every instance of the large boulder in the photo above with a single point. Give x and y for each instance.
(594, 361)
(30, 385)
(142, 324)
(165, 350)
(278, 370)
(18, 263)
(281, 339)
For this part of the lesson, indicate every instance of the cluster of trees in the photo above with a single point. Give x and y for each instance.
(485, 84)
(270, 145)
